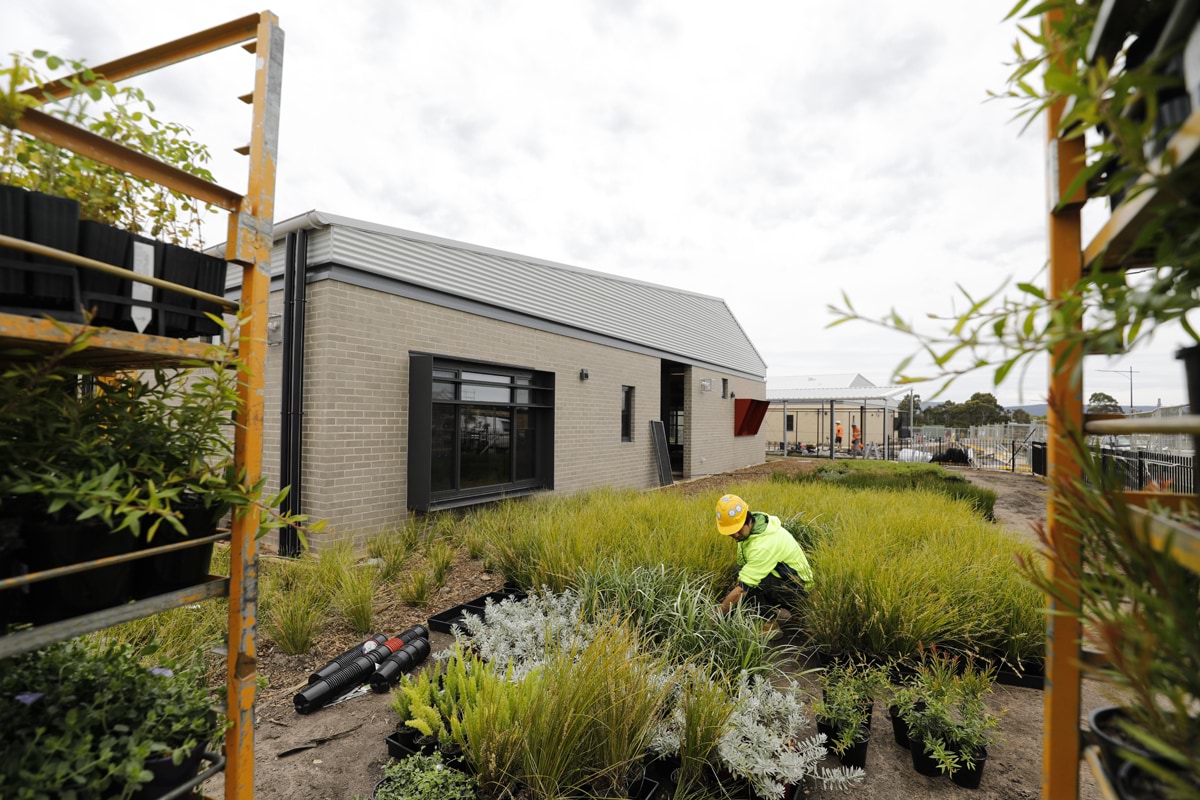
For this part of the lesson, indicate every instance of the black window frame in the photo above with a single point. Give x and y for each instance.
(627, 401)
(724, 388)
(791, 423)
(528, 389)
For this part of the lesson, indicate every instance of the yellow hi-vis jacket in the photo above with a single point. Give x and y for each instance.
(768, 545)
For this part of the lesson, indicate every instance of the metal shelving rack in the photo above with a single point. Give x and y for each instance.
(1115, 247)
(248, 245)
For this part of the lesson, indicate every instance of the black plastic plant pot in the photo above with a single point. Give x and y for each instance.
(400, 743)
(970, 778)
(899, 727)
(455, 758)
(856, 754)
(323, 692)
(643, 789)
(1115, 745)
(167, 572)
(345, 658)
(425, 745)
(108, 245)
(923, 763)
(405, 659)
(168, 776)
(51, 543)
(827, 729)
(1190, 356)
(445, 621)
(1031, 676)
(12, 223)
(54, 222)
(179, 265)
(209, 277)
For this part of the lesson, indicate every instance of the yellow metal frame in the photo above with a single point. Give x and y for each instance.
(251, 215)
(1112, 248)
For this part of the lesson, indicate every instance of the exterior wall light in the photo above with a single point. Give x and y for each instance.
(583, 374)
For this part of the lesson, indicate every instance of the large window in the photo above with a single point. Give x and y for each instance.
(626, 413)
(477, 431)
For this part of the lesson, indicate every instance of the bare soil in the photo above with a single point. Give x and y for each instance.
(346, 753)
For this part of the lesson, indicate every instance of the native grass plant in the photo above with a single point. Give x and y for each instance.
(1141, 608)
(82, 719)
(440, 555)
(354, 597)
(764, 741)
(888, 476)
(676, 612)
(421, 777)
(550, 541)
(417, 590)
(924, 569)
(700, 711)
(296, 616)
(945, 707)
(848, 690)
(393, 549)
(123, 114)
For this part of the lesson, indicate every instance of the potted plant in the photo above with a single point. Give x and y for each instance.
(89, 473)
(424, 777)
(112, 205)
(844, 710)
(97, 721)
(950, 732)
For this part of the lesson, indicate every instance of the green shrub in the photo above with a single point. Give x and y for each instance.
(422, 777)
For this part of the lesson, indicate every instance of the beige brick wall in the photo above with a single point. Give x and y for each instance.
(356, 402)
(709, 445)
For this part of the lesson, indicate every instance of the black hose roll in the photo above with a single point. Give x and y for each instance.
(395, 665)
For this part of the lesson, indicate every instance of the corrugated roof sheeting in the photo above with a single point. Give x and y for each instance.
(841, 380)
(691, 325)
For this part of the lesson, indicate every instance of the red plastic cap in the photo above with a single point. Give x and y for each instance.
(393, 644)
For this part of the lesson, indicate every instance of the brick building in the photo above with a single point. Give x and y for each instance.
(410, 373)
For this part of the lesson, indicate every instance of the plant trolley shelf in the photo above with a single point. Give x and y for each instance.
(107, 351)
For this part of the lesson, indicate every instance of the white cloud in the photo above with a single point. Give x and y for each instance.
(772, 153)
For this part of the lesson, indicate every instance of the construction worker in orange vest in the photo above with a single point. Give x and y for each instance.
(855, 438)
(837, 434)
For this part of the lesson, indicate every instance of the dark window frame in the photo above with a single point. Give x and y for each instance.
(791, 423)
(724, 388)
(627, 401)
(534, 387)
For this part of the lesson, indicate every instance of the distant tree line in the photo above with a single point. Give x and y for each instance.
(983, 409)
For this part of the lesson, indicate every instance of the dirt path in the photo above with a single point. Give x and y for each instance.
(349, 765)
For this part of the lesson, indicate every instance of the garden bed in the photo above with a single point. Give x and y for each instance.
(351, 763)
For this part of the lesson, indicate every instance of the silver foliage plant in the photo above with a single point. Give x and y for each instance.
(763, 743)
(520, 632)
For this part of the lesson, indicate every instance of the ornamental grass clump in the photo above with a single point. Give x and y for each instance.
(393, 549)
(676, 612)
(355, 597)
(296, 616)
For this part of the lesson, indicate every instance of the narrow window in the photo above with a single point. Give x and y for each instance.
(791, 422)
(724, 388)
(626, 413)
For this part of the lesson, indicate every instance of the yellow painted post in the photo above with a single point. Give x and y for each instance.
(1060, 723)
(249, 243)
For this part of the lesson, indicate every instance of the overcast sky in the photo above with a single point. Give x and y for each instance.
(770, 153)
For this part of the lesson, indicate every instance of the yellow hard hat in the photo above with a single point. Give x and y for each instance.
(731, 514)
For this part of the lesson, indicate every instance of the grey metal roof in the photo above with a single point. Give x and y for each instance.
(841, 380)
(697, 327)
(791, 394)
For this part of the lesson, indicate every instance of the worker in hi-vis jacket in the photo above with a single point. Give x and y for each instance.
(774, 570)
